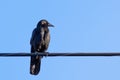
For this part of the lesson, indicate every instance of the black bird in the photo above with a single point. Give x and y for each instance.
(39, 43)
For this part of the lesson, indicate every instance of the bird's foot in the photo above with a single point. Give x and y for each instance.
(46, 54)
(36, 53)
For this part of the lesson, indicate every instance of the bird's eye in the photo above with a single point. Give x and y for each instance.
(43, 22)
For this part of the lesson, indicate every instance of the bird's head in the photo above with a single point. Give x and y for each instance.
(44, 23)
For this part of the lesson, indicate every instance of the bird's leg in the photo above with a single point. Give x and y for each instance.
(46, 54)
(36, 55)
(41, 56)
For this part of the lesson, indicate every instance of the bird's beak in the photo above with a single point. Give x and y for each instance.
(50, 25)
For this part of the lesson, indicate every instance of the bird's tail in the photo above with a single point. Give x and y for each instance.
(35, 64)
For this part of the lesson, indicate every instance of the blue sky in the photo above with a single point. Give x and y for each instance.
(80, 26)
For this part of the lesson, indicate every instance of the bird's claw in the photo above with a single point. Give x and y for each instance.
(46, 54)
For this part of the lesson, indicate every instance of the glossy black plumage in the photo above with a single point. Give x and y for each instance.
(39, 43)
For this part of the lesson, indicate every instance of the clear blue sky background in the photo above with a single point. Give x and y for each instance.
(80, 26)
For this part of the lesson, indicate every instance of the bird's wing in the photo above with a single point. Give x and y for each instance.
(35, 61)
(33, 36)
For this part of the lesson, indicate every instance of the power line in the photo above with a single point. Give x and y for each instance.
(60, 54)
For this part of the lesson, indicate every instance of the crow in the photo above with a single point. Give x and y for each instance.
(39, 43)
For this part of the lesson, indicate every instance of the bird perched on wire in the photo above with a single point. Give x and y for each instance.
(39, 43)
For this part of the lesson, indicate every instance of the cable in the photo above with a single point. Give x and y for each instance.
(60, 54)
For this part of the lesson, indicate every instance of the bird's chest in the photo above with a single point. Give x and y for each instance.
(43, 36)
(44, 39)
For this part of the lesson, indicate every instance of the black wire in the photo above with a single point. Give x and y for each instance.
(60, 54)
